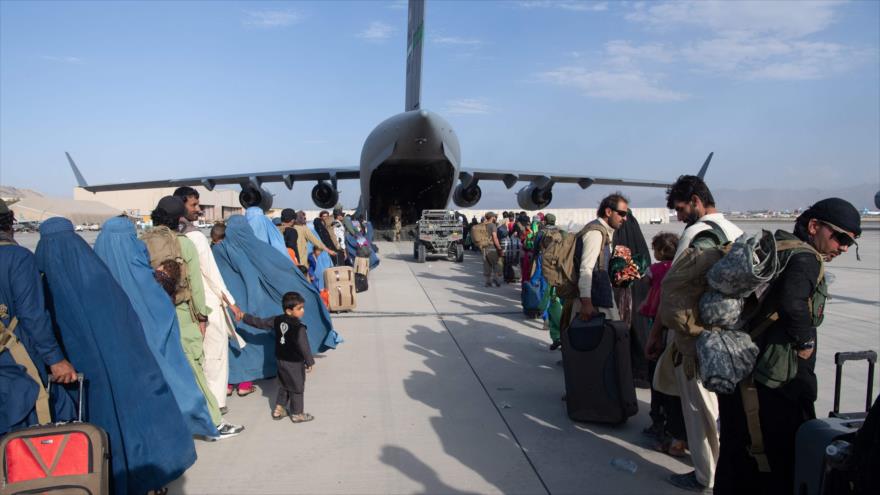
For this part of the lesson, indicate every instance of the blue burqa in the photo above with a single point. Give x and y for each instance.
(21, 292)
(351, 242)
(126, 394)
(258, 276)
(129, 262)
(265, 230)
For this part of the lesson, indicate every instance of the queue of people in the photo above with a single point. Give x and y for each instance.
(161, 327)
(742, 455)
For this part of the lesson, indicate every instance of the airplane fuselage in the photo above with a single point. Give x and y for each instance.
(409, 163)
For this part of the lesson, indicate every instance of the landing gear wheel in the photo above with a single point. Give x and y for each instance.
(459, 253)
(421, 253)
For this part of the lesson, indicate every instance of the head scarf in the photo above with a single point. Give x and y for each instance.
(258, 276)
(264, 229)
(129, 263)
(126, 394)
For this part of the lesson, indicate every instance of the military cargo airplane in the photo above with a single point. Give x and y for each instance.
(409, 163)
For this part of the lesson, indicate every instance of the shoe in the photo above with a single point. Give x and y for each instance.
(497, 283)
(229, 390)
(228, 430)
(555, 345)
(488, 284)
(656, 430)
(301, 418)
(688, 481)
(224, 410)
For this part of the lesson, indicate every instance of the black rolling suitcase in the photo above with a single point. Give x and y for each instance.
(598, 375)
(823, 446)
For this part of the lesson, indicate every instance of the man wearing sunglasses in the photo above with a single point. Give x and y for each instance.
(592, 256)
(829, 228)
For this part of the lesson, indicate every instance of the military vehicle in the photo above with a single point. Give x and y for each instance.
(439, 233)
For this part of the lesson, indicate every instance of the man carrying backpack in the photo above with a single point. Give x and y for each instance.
(706, 227)
(595, 294)
(175, 255)
(795, 303)
(485, 238)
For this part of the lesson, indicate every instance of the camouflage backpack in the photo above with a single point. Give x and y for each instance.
(164, 246)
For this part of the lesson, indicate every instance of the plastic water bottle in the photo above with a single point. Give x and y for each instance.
(624, 465)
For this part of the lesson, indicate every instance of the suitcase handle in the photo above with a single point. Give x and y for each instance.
(79, 403)
(842, 357)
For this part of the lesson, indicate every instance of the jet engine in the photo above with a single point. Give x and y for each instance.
(466, 197)
(255, 196)
(325, 195)
(532, 197)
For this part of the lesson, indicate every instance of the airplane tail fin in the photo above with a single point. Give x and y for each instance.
(415, 33)
(80, 180)
(702, 173)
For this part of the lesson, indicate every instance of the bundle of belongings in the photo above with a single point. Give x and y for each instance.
(713, 298)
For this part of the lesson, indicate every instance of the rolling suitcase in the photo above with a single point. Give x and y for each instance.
(598, 377)
(62, 458)
(339, 284)
(821, 445)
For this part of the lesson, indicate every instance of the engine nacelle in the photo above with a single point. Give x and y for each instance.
(532, 198)
(324, 195)
(253, 196)
(466, 197)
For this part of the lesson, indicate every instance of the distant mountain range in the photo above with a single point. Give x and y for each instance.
(9, 192)
(569, 196)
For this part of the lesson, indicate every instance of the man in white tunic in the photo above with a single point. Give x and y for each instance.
(219, 329)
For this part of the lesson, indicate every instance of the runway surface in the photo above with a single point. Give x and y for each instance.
(441, 386)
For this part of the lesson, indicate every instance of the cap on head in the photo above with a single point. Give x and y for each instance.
(550, 219)
(837, 212)
(288, 215)
(172, 205)
(491, 214)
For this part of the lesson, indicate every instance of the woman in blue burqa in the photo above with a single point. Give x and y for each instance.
(128, 260)
(258, 276)
(265, 230)
(359, 234)
(126, 394)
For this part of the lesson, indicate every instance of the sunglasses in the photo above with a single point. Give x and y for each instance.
(841, 237)
(623, 214)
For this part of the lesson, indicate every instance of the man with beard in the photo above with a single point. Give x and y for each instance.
(706, 227)
(323, 227)
(218, 299)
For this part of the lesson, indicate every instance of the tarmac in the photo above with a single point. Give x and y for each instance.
(442, 386)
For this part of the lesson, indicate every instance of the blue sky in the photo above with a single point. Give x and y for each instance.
(786, 94)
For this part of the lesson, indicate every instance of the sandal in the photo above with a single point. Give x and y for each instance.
(247, 391)
(229, 390)
(301, 418)
(677, 448)
(279, 413)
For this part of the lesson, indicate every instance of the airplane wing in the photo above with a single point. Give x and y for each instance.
(545, 179)
(256, 179)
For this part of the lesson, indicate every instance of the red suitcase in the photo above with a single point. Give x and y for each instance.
(63, 458)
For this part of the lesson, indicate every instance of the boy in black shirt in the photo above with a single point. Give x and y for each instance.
(293, 355)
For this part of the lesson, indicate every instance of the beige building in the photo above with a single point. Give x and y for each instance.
(218, 204)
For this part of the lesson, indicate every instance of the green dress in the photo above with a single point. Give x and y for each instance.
(190, 335)
(553, 306)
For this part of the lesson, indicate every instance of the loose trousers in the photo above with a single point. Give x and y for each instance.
(216, 346)
(191, 341)
(491, 264)
(699, 407)
(291, 386)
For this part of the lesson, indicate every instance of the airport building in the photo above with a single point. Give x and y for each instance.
(218, 204)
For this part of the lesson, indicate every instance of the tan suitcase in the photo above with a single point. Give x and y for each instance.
(339, 282)
(362, 265)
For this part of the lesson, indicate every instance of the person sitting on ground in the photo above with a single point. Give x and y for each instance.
(292, 354)
(667, 423)
(827, 230)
